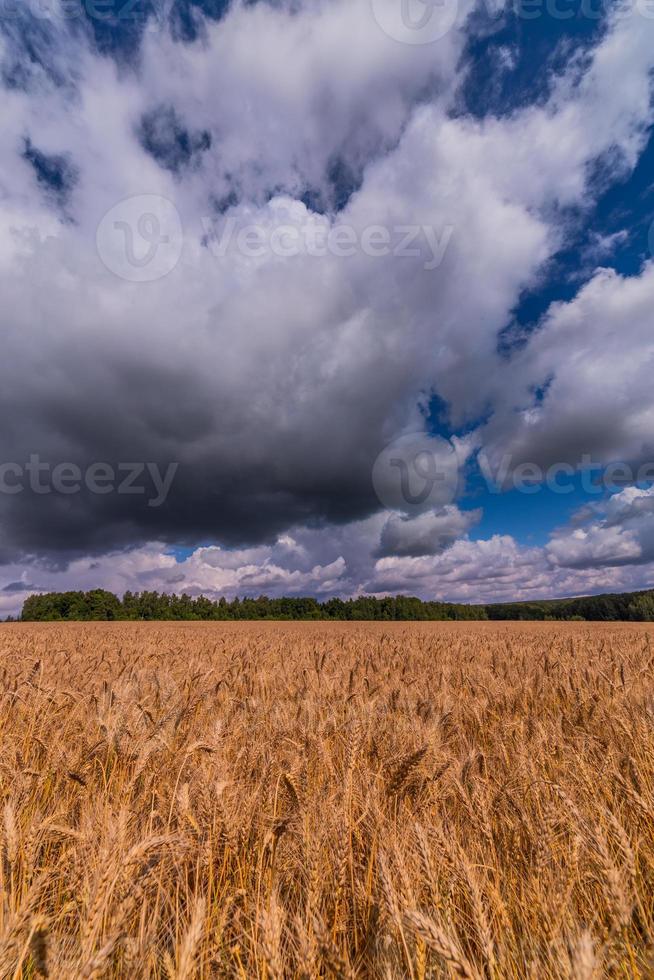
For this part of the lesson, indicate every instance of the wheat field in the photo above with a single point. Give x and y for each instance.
(326, 800)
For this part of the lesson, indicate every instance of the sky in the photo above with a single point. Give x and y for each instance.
(327, 297)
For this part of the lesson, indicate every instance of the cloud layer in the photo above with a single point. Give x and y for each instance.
(274, 377)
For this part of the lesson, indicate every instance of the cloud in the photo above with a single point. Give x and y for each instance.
(426, 534)
(20, 588)
(299, 92)
(595, 354)
(620, 532)
(501, 570)
(275, 381)
(346, 561)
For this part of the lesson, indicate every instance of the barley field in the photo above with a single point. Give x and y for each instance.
(326, 800)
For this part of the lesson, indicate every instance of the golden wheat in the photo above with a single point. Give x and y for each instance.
(326, 800)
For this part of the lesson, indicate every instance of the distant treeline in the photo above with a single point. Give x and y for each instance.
(625, 606)
(101, 605)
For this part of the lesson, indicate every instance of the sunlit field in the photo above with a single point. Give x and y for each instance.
(327, 800)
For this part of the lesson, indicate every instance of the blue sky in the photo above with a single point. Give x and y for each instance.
(316, 272)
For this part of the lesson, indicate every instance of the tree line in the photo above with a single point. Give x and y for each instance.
(623, 606)
(100, 605)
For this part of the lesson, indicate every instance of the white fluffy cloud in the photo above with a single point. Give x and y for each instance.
(594, 357)
(501, 570)
(617, 532)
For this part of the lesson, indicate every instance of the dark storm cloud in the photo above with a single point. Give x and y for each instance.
(230, 484)
(202, 504)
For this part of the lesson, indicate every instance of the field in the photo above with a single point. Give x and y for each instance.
(326, 800)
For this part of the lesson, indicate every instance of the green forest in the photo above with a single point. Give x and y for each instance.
(100, 605)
